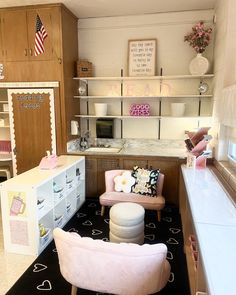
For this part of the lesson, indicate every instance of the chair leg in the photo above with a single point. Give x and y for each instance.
(102, 210)
(73, 290)
(159, 215)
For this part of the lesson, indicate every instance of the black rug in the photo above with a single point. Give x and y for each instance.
(43, 276)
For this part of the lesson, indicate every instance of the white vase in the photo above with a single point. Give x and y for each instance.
(100, 109)
(199, 65)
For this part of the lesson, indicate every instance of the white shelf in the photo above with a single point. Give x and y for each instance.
(118, 117)
(28, 200)
(171, 77)
(159, 103)
(4, 113)
(4, 101)
(5, 126)
(139, 117)
(141, 97)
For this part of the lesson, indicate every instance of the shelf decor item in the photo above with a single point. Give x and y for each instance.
(199, 39)
(100, 109)
(142, 109)
(84, 68)
(142, 57)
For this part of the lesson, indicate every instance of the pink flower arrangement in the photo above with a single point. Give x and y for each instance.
(199, 38)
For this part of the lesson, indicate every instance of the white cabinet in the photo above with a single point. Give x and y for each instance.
(159, 92)
(35, 202)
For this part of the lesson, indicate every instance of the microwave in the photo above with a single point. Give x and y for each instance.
(104, 128)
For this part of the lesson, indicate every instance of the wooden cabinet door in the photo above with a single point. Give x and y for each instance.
(103, 165)
(131, 162)
(45, 15)
(91, 177)
(14, 29)
(170, 168)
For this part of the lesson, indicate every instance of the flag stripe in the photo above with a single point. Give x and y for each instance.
(40, 35)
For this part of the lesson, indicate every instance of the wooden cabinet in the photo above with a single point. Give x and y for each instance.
(91, 177)
(19, 42)
(37, 201)
(104, 164)
(95, 173)
(97, 165)
(193, 256)
(57, 63)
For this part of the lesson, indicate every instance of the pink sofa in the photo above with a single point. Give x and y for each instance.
(111, 197)
(106, 267)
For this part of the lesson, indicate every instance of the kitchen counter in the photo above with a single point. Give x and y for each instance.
(214, 219)
(136, 147)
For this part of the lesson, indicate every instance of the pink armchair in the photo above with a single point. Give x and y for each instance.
(106, 267)
(111, 197)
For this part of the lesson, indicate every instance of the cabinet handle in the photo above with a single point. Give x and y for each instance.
(25, 51)
(31, 52)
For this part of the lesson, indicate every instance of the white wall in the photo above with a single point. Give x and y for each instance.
(104, 42)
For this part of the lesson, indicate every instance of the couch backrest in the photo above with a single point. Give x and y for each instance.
(123, 268)
(109, 180)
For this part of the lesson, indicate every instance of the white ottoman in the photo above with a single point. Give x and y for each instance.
(127, 223)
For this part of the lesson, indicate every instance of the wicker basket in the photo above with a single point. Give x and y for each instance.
(84, 68)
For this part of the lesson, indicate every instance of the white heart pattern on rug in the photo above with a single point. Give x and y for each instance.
(45, 286)
(169, 255)
(150, 237)
(105, 239)
(151, 225)
(172, 241)
(87, 222)
(92, 205)
(107, 220)
(174, 230)
(79, 215)
(172, 277)
(39, 267)
(73, 230)
(98, 212)
(167, 219)
(96, 232)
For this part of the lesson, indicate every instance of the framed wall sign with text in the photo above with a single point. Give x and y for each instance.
(142, 57)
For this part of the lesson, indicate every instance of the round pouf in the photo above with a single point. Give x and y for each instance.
(127, 223)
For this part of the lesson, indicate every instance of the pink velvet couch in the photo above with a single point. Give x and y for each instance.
(125, 268)
(111, 197)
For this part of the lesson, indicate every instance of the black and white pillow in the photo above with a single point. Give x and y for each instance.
(145, 181)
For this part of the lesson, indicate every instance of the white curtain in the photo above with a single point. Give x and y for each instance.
(227, 111)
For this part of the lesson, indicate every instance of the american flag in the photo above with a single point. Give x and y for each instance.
(40, 35)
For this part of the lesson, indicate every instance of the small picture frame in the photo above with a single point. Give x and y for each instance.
(142, 57)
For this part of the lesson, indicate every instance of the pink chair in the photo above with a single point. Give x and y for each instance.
(107, 267)
(111, 197)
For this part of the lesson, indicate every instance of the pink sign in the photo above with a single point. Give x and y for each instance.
(142, 109)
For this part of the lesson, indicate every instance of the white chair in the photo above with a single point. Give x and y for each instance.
(124, 269)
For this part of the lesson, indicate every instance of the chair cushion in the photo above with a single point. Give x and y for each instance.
(145, 181)
(111, 198)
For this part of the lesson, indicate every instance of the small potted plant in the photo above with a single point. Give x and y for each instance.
(199, 39)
